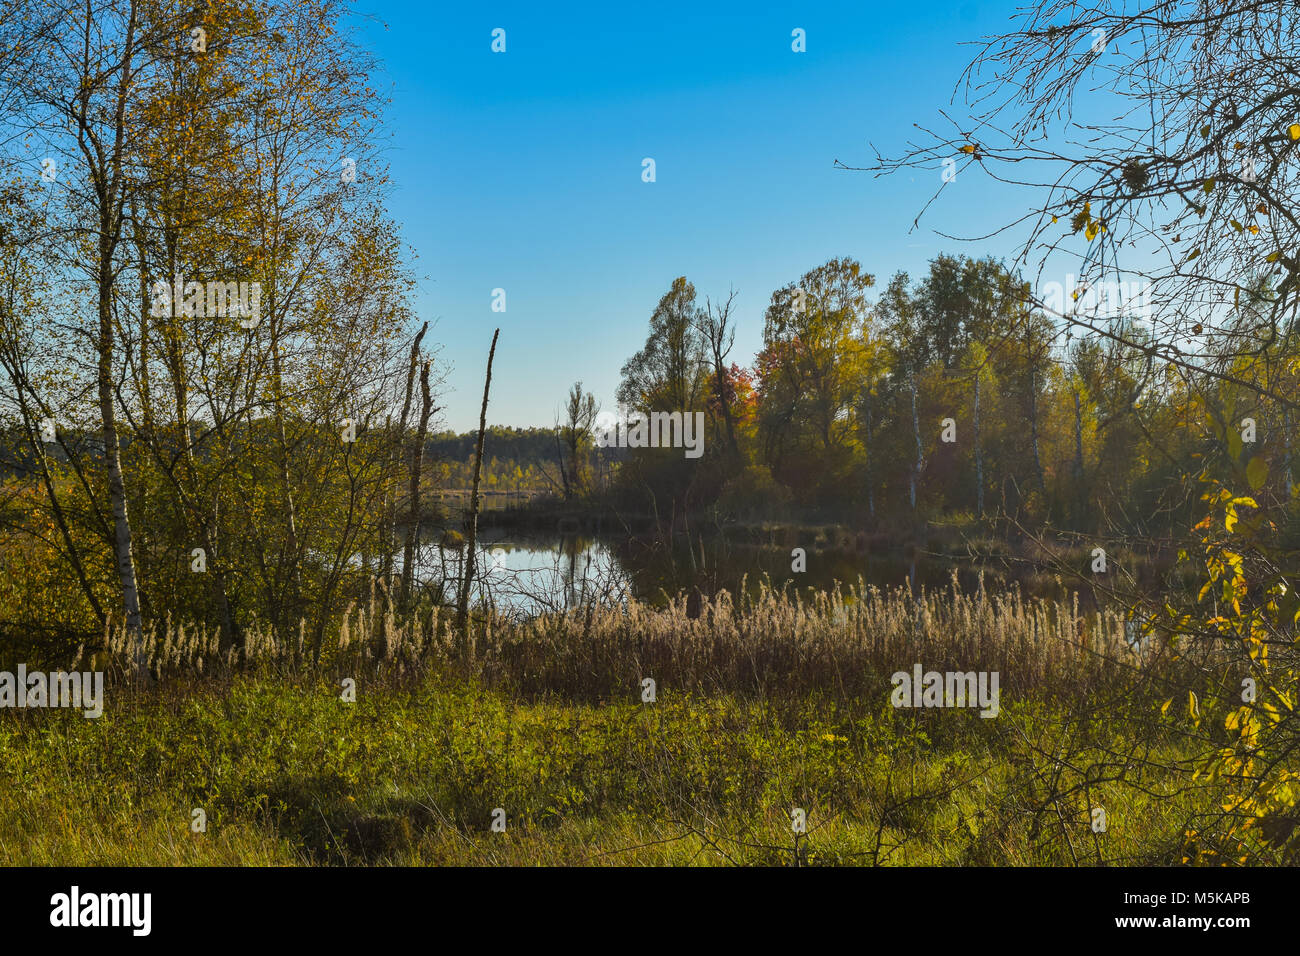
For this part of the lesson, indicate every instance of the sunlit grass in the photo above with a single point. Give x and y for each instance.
(287, 773)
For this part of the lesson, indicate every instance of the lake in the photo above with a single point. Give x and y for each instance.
(531, 573)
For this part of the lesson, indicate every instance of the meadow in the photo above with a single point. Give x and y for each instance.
(761, 708)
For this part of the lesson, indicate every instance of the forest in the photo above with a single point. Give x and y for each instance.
(953, 397)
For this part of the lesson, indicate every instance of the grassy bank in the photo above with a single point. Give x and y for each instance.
(762, 706)
(287, 773)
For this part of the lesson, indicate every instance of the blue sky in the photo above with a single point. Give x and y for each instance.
(522, 170)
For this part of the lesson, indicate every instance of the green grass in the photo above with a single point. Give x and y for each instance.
(287, 773)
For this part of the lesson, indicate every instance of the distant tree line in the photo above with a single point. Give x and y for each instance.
(951, 394)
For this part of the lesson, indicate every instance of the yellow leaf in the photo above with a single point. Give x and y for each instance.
(1294, 130)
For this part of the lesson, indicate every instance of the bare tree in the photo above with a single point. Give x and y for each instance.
(1175, 175)
(416, 468)
(471, 521)
(719, 334)
(580, 413)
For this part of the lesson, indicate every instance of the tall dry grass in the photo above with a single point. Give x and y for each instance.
(777, 641)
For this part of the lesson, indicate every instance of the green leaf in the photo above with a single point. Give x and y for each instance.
(1234, 443)
(1257, 472)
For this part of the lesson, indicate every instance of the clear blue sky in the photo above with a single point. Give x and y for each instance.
(522, 170)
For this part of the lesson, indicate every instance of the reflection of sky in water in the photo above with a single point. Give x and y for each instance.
(530, 576)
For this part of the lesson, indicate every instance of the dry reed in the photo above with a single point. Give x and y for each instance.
(839, 641)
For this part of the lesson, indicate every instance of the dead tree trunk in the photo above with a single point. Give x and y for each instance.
(462, 613)
(400, 439)
(417, 466)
